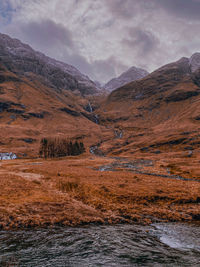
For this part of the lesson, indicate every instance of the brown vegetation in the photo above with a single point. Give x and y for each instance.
(72, 191)
(156, 118)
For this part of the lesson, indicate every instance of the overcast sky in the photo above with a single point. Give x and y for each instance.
(103, 38)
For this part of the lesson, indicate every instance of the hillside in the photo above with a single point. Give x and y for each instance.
(24, 61)
(158, 112)
(29, 110)
(142, 147)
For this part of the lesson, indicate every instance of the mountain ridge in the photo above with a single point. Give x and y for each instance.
(155, 112)
(23, 59)
(166, 98)
(130, 75)
(170, 73)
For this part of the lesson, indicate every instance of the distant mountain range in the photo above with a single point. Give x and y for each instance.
(135, 73)
(41, 97)
(22, 59)
(128, 76)
(163, 79)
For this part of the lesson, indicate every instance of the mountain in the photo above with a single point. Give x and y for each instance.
(162, 80)
(128, 76)
(41, 97)
(159, 112)
(23, 60)
(30, 110)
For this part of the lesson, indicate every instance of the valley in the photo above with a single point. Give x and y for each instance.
(99, 133)
(141, 163)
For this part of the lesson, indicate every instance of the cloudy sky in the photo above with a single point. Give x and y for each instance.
(103, 38)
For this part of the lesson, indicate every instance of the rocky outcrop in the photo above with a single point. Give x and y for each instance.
(130, 75)
(70, 112)
(23, 60)
(195, 62)
(180, 96)
(9, 106)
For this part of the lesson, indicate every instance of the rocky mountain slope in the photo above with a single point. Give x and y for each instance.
(194, 62)
(24, 61)
(38, 98)
(30, 110)
(128, 76)
(163, 80)
(158, 112)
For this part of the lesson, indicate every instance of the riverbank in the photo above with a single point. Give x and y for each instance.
(100, 190)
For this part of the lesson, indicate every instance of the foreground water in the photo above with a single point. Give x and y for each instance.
(119, 245)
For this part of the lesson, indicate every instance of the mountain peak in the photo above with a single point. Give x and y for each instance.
(128, 76)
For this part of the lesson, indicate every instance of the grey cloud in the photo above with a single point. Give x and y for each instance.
(183, 8)
(103, 38)
(107, 24)
(106, 69)
(141, 40)
(56, 41)
(47, 33)
(127, 9)
(80, 62)
(121, 8)
(99, 70)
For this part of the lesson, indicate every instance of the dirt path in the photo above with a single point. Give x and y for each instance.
(19, 170)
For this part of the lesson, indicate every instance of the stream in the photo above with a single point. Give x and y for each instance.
(163, 244)
(137, 167)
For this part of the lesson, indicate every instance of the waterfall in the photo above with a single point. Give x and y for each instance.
(118, 133)
(94, 117)
(90, 109)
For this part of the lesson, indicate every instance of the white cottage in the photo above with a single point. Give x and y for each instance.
(7, 156)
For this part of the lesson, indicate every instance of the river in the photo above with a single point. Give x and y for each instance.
(120, 245)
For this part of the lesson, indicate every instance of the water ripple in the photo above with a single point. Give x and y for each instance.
(120, 245)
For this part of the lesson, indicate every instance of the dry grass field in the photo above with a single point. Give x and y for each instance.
(78, 190)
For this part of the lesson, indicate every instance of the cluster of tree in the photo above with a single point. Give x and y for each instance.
(60, 147)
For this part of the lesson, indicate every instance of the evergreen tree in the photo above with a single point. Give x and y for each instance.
(60, 147)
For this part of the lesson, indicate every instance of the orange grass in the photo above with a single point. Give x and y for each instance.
(70, 192)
